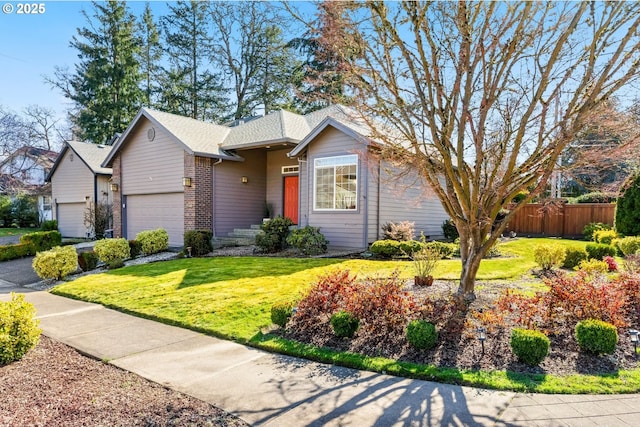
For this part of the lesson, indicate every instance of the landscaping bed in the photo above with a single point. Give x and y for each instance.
(53, 385)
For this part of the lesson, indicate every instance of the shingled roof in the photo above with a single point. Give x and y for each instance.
(91, 155)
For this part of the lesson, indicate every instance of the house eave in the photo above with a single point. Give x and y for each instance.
(283, 142)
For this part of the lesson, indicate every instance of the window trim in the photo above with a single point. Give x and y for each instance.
(355, 163)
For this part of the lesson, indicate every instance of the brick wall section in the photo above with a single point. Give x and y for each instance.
(117, 197)
(198, 199)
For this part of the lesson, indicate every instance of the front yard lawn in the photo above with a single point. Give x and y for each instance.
(12, 231)
(231, 297)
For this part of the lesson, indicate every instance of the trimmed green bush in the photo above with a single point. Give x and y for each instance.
(109, 250)
(593, 266)
(628, 245)
(549, 257)
(386, 248)
(153, 241)
(573, 257)
(42, 240)
(604, 236)
(529, 346)
(627, 219)
(281, 313)
(599, 251)
(446, 250)
(308, 240)
(422, 334)
(596, 197)
(344, 324)
(592, 227)
(19, 331)
(49, 225)
(87, 260)
(596, 336)
(199, 241)
(16, 251)
(56, 263)
(274, 234)
(135, 249)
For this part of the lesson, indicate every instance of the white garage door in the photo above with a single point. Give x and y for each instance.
(151, 211)
(70, 218)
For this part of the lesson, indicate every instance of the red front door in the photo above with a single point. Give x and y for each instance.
(291, 198)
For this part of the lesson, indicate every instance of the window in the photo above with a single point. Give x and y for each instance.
(46, 203)
(335, 183)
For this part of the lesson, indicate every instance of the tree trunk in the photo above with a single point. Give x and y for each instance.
(470, 267)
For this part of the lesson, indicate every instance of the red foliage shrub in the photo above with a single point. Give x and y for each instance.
(613, 266)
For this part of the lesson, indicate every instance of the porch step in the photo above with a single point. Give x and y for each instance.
(225, 242)
(245, 232)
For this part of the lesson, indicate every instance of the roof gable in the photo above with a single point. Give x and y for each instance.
(91, 155)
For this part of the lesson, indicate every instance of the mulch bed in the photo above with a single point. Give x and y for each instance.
(53, 385)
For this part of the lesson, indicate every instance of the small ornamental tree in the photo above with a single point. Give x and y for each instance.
(627, 221)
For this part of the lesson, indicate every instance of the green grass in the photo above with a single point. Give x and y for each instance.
(4, 232)
(232, 298)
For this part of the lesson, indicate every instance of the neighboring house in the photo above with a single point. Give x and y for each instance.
(79, 184)
(182, 174)
(24, 171)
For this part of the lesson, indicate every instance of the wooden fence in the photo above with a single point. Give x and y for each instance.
(559, 221)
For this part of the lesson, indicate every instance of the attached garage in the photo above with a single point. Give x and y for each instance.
(151, 211)
(70, 218)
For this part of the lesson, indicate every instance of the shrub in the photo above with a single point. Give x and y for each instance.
(604, 236)
(599, 251)
(520, 196)
(281, 313)
(135, 248)
(326, 296)
(445, 250)
(19, 330)
(199, 241)
(401, 231)
(386, 248)
(424, 261)
(596, 336)
(449, 230)
(42, 240)
(632, 263)
(422, 334)
(153, 241)
(629, 245)
(596, 197)
(114, 264)
(549, 257)
(56, 263)
(611, 263)
(112, 249)
(308, 240)
(593, 267)
(87, 260)
(274, 234)
(49, 225)
(592, 227)
(24, 211)
(529, 346)
(573, 257)
(15, 251)
(627, 217)
(344, 324)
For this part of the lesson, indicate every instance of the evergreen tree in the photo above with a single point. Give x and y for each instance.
(188, 86)
(150, 56)
(627, 221)
(105, 84)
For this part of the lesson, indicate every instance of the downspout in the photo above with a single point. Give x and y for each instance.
(365, 231)
(306, 215)
(378, 201)
(213, 196)
(95, 203)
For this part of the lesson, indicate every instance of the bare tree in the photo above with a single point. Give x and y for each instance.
(466, 92)
(43, 127)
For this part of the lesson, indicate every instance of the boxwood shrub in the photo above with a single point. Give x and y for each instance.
(199, 241)
(422, 334)
(20, 250)
(109, 250)
(573, 257)
(153, 241)
(599, 251)
(56, 263)
(344, 324)
(596, 336)
(281, 313)
(529, 346)
(42, 240)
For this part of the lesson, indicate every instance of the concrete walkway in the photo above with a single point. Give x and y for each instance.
(273, 390)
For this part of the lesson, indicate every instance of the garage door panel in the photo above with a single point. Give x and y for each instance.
(151, 211)
(70, 218)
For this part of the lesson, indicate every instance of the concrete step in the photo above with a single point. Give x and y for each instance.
(244, 232)
(225, 242)
(256, 226)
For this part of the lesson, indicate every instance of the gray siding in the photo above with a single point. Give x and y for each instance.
(405, 197)
(72, 181)
(150, 167)
(238, 205)
(341, 228)
(276, 159)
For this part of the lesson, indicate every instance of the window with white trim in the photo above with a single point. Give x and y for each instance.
(336, 183)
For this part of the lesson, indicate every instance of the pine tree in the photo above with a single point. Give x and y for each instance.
(150, 56)
(189, 87)
(105, 84)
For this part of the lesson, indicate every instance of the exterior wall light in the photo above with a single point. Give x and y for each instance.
(114, 187)
(186, 181)
(245, 179)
